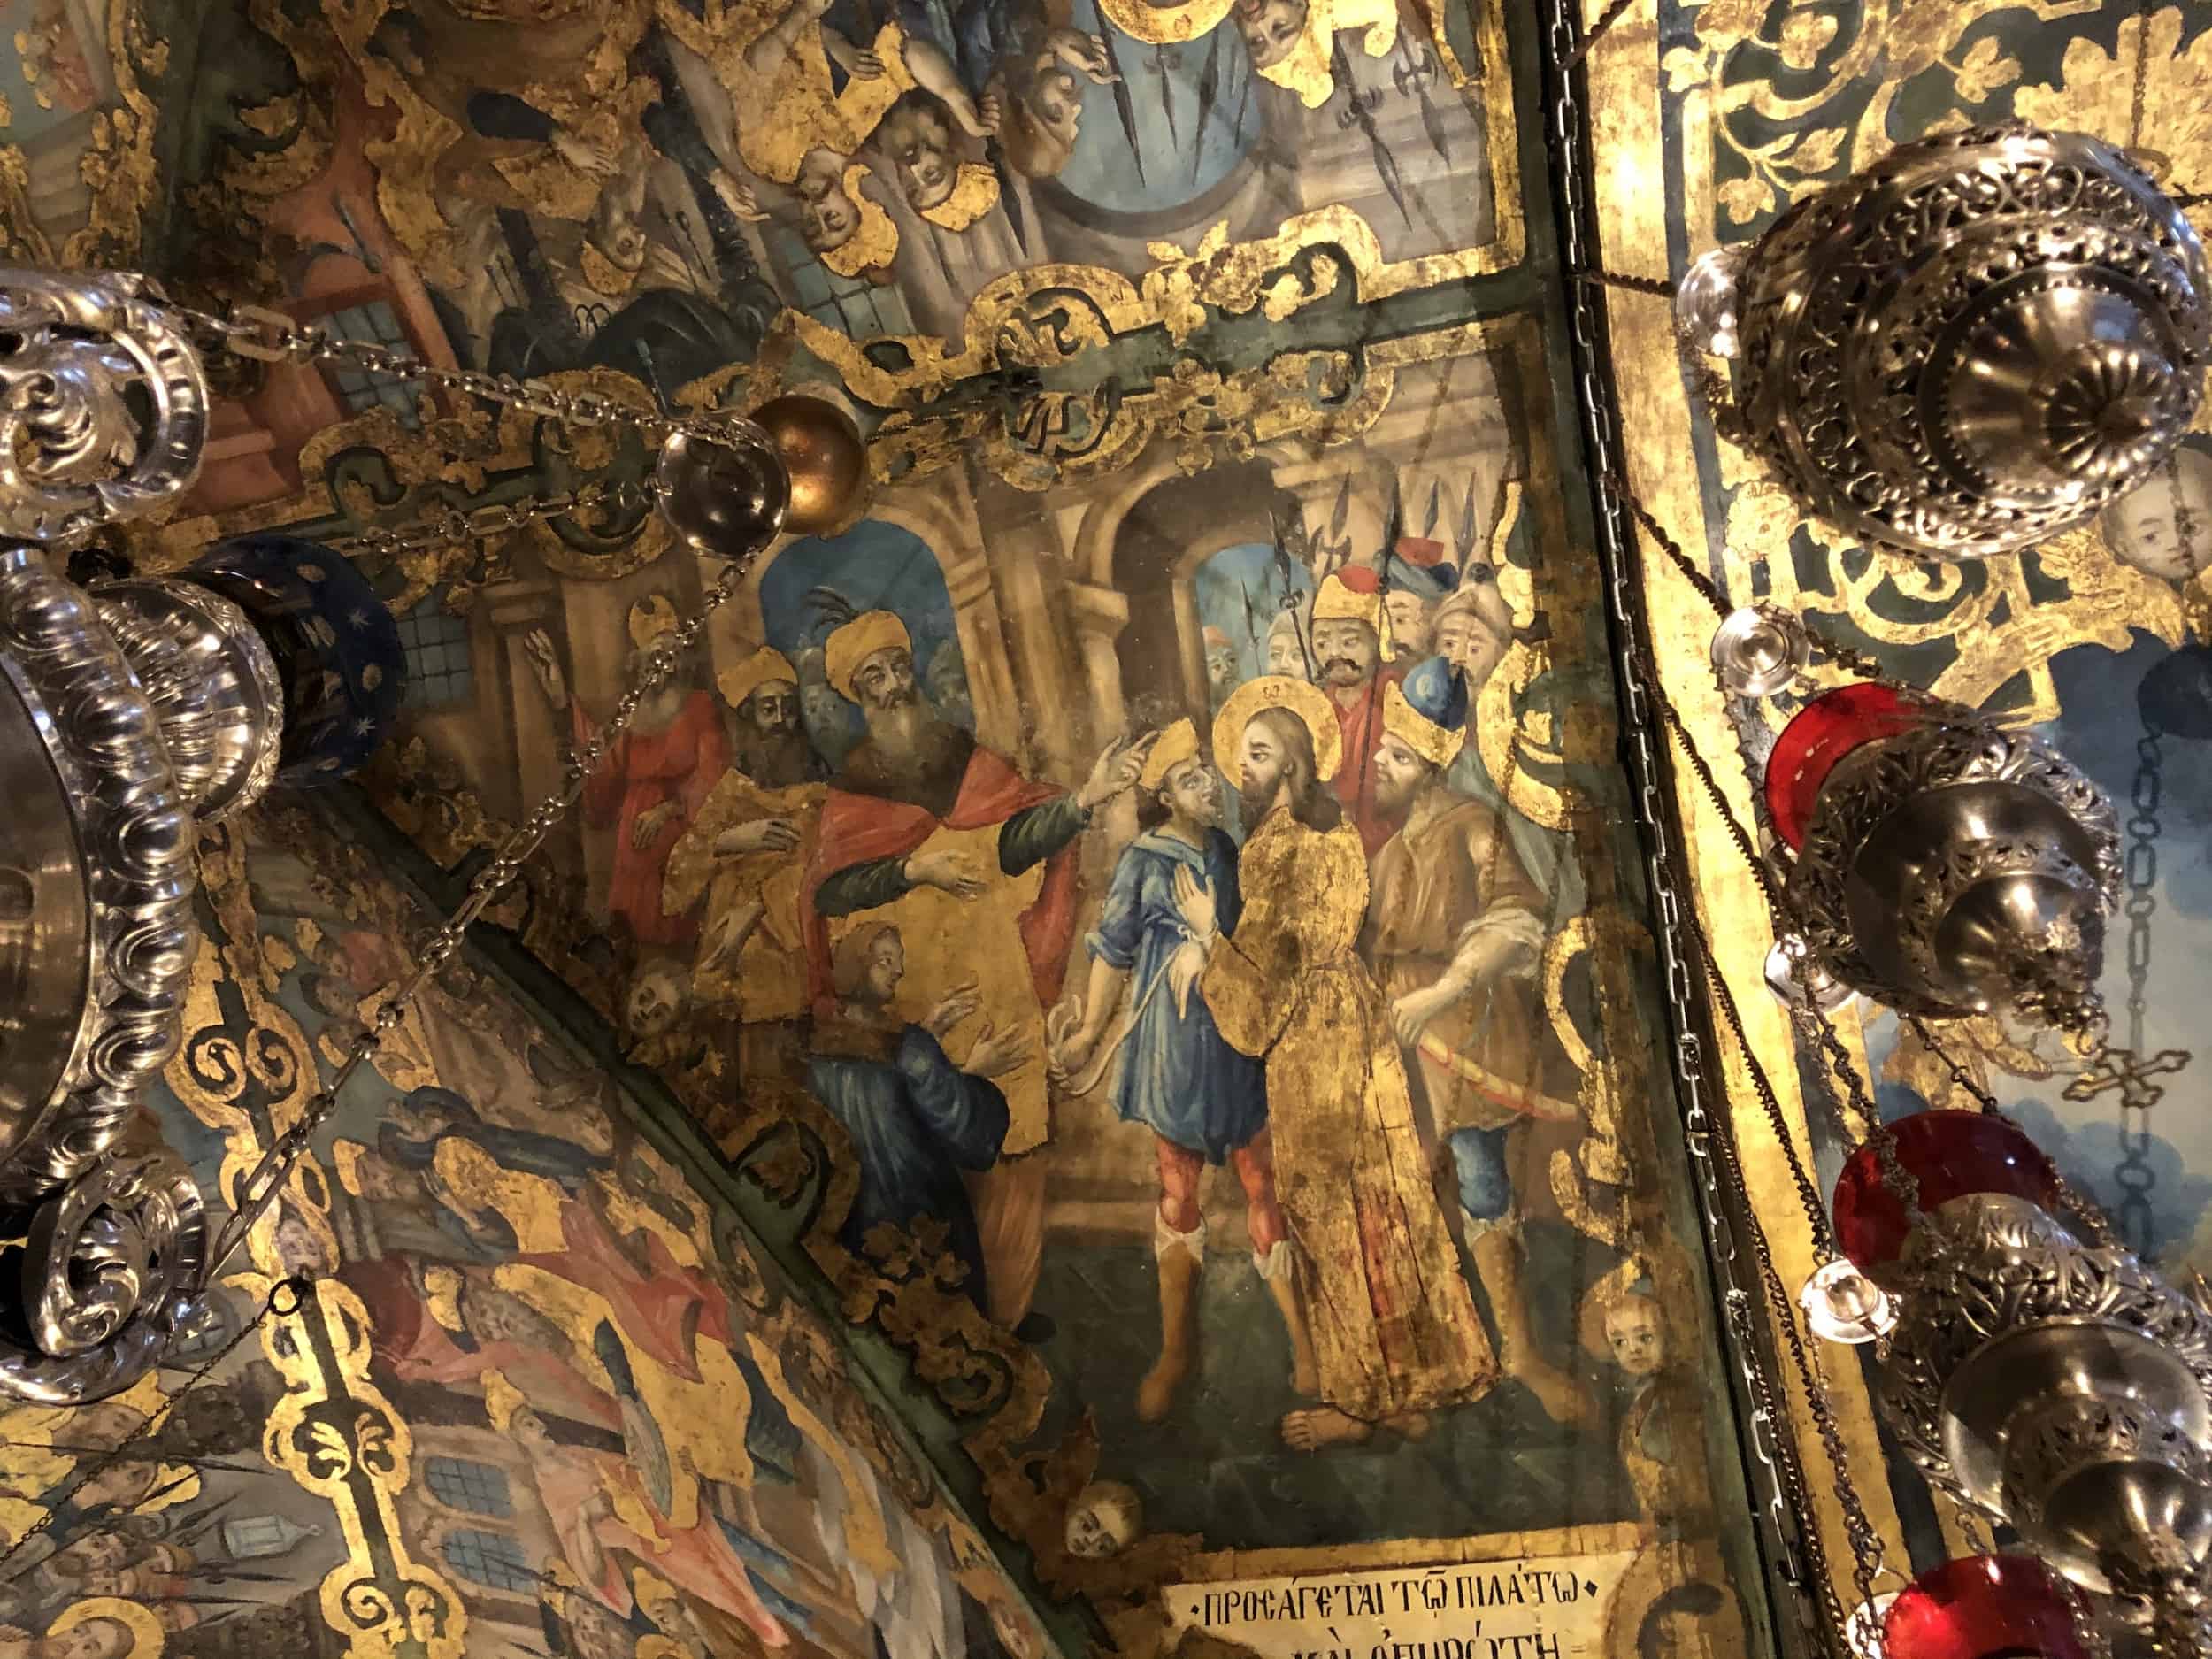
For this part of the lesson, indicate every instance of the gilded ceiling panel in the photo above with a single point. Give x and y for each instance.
(1067, 911)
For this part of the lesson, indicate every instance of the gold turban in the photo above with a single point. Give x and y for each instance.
(1339, 601)
(870, 631)
(1439, 745)
(1169, 751)
(764, 665)
(1280, 691)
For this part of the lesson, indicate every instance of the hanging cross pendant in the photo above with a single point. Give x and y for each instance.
(2125, 1070)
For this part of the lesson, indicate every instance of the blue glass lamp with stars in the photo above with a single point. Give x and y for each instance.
(335, 643)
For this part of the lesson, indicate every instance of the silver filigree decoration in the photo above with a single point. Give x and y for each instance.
(103, 738)
(111, 1270)
(1910, 829)
(1977, 342)
(210, 679)
(103, 403)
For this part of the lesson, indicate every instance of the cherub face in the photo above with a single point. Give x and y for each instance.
(2164, 528)
(657, 998)
(921, 154)
(1638, 1339)
(1055, 98)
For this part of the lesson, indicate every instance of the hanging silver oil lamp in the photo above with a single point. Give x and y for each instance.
(1977, 342)
(1939, 864)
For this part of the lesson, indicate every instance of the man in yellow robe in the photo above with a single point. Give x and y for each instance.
(1394, 1331)
(1455, 935)
(744, 856)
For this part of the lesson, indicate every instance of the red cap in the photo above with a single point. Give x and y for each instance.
(1415, 549)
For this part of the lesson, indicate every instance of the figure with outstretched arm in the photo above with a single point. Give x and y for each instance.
(1204, 1103)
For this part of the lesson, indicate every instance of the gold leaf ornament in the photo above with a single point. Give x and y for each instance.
(2095, 88)
(1984, 70)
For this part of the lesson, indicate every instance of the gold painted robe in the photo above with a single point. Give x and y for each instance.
(767, 979)
(1394, 1328)
(1489, 1059)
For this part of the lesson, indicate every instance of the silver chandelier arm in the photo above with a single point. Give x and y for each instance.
(112, 1273)
(102, 417)
(81, 355)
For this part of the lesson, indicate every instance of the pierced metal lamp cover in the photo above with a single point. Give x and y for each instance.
(1977, 342)
(1943, 865)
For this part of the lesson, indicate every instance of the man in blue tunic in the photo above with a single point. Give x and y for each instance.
(916, 1120)
(1205, 1102)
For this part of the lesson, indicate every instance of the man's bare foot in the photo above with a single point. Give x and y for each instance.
(1323, 1425)
(1412, 1426)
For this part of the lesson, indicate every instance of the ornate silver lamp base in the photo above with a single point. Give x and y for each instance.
(1957, 868)
(2065, 1390)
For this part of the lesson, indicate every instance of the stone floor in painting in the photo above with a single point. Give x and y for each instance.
(1217, 1463)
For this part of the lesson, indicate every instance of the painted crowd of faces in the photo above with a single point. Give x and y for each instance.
(627, 1439)
(876, 167)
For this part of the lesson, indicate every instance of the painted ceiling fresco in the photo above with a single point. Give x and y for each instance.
(1262, 1205)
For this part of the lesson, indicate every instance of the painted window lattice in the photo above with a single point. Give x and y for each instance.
(373, 324)
(436, 642)
(495, 1560)
(859, 307)
(460, 1483)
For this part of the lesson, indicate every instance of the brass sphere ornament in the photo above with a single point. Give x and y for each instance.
(1975, 344)
(823, 453)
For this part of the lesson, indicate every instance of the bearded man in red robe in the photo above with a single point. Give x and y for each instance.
(1352, 650)
(652, 782)
(976, 866)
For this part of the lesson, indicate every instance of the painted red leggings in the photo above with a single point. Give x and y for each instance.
(1181, 1170)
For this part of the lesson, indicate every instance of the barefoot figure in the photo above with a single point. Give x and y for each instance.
(1394, 1330)
(1204, 1102)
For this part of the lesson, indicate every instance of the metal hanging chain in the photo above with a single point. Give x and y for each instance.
(285, 1299)
(1595, 33)
(457, 527)
(256, 333)
(2133, 1175)
(1775, 1463)
(258, 1190)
